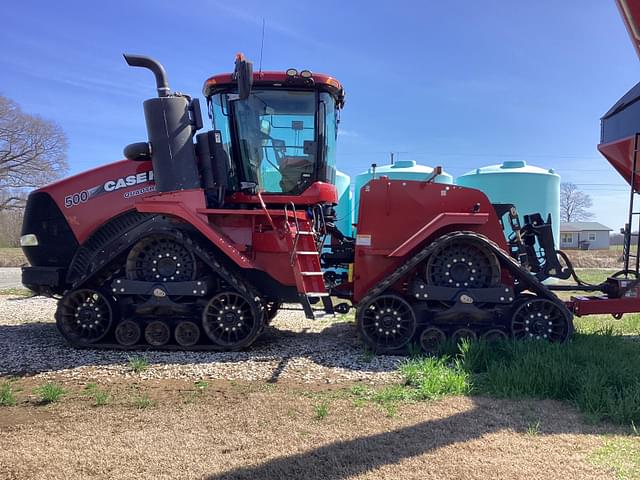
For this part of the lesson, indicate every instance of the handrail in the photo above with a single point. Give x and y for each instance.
(295, 217)
(266, 212)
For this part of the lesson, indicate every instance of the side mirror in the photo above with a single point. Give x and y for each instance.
(244, 76)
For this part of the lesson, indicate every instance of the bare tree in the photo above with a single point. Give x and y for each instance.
(574, 204)
(33, 152)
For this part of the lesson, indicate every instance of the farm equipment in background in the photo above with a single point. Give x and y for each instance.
(196, 239)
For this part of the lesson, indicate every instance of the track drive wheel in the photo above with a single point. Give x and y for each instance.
(463, 263)
(541, 319)
(386, 323)
(160, 258)
(84, 316)
(232, 320)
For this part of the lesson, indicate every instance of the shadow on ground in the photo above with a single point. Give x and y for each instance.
(345, 459)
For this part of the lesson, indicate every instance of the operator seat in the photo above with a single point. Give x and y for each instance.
(293, 170)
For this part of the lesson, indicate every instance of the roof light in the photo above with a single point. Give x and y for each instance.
(292, 72)
(306, 74)
(29, 240)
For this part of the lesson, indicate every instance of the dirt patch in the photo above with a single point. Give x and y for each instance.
(611, 258)
(243, 431)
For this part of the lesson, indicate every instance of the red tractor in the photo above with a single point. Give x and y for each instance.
(196, 239)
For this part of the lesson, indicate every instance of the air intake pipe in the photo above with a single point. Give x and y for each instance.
(172, 120)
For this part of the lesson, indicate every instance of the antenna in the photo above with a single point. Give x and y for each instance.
(261, 46)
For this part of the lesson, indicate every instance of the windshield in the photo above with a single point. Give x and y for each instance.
(276, 130)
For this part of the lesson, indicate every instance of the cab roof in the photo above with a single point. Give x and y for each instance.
(225, 81)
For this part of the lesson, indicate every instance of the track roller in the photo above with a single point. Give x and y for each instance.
(128, 333)
(432, 339)
(463, 333)
(84, 316)
(232, 321)
(187, 334)
(157, 333)
(494, 335)
(386, 323)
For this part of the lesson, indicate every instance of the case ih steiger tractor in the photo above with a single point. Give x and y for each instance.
(196, 239)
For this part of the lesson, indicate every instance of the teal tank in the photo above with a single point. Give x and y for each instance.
(344, 209)
(400, 170)
(531, 189)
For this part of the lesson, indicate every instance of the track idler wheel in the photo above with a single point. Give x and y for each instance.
(463, 334)
(128, 333)
(84, 316)
(541, 319)
(432, 340)
(160, 258)
(386, 323)
(157, 333)
(187, 334)
(463, 264)
(232, 321)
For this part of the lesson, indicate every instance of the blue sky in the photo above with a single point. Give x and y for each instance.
(459, 84)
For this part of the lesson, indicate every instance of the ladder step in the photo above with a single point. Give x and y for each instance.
(308, 253)
(304, 233)
(309, 274)
(316, 294)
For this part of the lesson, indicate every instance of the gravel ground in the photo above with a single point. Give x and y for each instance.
(294, 348)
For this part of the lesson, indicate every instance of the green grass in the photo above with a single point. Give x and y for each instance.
(594, 275)
(321, 410)
(100, 397)
(138, 364)
(201, 385)
(629, 324)
(425, 379)
(7, 396)
(533, 428)
(143, 401)
(598, 373)
(50, 393)
(622, 455)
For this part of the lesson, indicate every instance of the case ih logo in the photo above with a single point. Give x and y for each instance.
(128, 181)
(111, 186)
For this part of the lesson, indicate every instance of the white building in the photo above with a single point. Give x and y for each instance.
(591, 235)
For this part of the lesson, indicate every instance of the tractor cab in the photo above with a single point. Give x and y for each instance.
(278, 129)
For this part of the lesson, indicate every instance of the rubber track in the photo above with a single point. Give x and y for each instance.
(529, 281)
(244, 288)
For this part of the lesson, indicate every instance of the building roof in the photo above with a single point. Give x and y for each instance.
(584, 226)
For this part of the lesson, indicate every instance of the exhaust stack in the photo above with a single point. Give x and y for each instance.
(156, 68)
(172, 120)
